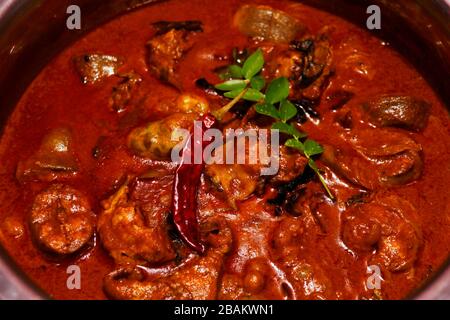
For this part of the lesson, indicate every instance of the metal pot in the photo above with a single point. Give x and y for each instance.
(32, 32)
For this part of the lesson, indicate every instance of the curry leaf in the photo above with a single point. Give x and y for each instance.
(253, 65)
(313, 165)
(224, 76)
(283, 127)
(232, 94)
(287, 110)
(235, 71)
(250, 94)
(312, 148)
(277, 90)
(294, 143)
(231, 85)
(268, 110)
(257, 83)
(288, 129)
(253, 95)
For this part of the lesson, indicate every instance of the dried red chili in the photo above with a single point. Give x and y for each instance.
(185, 187)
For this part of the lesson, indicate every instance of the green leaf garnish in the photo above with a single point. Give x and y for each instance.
(296, 144)
(235, 71)
(258, 83)
(253, 65)
(231, 85)
(250, 95)
(268, 110)
(253, 95)
(288, 129)
(232, 94)
(274, 103)
(219, 114)
(312, 148)
(309, 149)
(287, 110)
(277, 90)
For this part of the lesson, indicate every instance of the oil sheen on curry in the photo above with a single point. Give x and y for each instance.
(87, 177)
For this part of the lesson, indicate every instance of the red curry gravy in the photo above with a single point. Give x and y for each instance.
(363, 65)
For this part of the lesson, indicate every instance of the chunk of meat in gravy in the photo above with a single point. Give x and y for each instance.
(190, 103)
(307, 63)
(94, 68)
(165, 50)
(318, 67)
(122, 93)
(291, 165)
(54, 159)
(375, 158)
(155, 141)
(240, 181)
(266, 23)
(133, 225)
(197, 278)
(61, 220)
(398, 111)
(286, 63)
(236, 180)
(386, 225)
(387, 143)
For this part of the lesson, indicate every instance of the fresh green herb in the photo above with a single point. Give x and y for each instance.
(232, 85)
(219, 114)
(268, 110)
(247, 83)
(253, 65)
(309, 148)
(288, 129)
(312, 148)
(235, 71)
(277, 90)
(250, 94)
(287, 110)
(258, 82)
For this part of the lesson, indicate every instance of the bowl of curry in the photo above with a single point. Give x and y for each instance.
(94, 206)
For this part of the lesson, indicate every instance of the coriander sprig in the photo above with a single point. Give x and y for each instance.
(247, 83)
